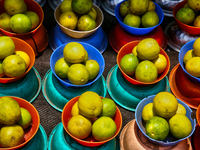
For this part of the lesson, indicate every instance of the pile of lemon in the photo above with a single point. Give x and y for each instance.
(16, 18)
(165, 115)
(78, 15)
(13, 120)
(139, 13)
(145, 62)
(92, 114)
(12, 63)
(75, 64)
(189, 14)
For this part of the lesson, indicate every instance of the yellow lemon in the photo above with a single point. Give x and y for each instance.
(134, 51)
(160, 62)
(148, 112)
(68, 19)
(132, 20)
(75, 110)
(150, 19)
(7, 46)
(25, 119)
(152, 6)
(35, 20)
(65, 6)
(196, 46)
(2, 74)
(13, 7)
(93, 13)
(5, 21)
(25, 56)
(93, 68)
(86, 23)
(181, 109)
(82, 7)
(192, 66)
(124, 8)
(189, 54)
(109, 108)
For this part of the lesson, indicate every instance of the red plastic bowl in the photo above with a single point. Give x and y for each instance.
(127, 49)
(89, 141)
(187, 28)
(20, 45)
(31, 6)
(32, 130)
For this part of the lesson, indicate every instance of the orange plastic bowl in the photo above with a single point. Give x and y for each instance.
(187, 28)
(20, 45)
(90, 140)
(127, 49)
(198, 115)
(32, 130)
(31, 6)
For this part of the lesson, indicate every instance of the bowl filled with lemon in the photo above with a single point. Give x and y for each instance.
(78, 18)
(164, 119)
(77, 64)
(186, 16)
(139, 18)
(16, 59)
(143, 62)
(83, 125)
(189, 59)
(19, 122)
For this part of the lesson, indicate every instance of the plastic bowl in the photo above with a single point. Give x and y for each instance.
(32, 130)
(187, 28)
(169, 140)
(20, 45)
(93, 53)
(127, 49)
(31, 6)
(75, 33)
(89, 141)
(188, 46)
(198, 115)
(138, 31)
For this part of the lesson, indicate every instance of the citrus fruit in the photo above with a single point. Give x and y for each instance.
(82, 7)
(61, 67)
(86, 23)
(124, 8)
(148, 112)
(25, 56)
(181, 109)
(129, 63)
(148, 49)
(180, 126)
(194, 4)
(185, 15)
(75, 110)
(146, 71)
(196, 22)
(65, 6)
(157, 128)
(165, 104)
(74, 52)
(7, 46)
(68, 19)
(93, 13)
(196, 47)
(192, 66)
(11, 135)
(149, 19)
(14, 66)
(90, 104)
(93, 68)
(35, 20)
(1, 69)
(109, 108)
(138, 7)
(78, 74)
(134, 51)
(5, 21)
(79, 126)
(160, 62)
(189, 54)
(152, 6)
(103, 128)
(132, 20)
(10, 110)
(25, 119)
(13, 7)
(20, 23)
(86, 57)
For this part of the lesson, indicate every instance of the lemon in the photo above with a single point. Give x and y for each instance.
(148, 49)
(25, 56)
(68, 19)
(138, 7)
(75, 110)
(148, 112)
(25, 119)
(78, 74)
(181, 109)
(5, 21)
(93, 13)
(194, 4)
(134, 51)
(86, 57)
(189, 54)
(82, 7)
(90, 104)
(86, 23)
(124, 8)
(160, 62)
(65, 6)
(192, 66)
(79, 126)
(152, 6)
(132, 20)
(109, 108)
(2, 74)
(185, 15)
(165, 104)
(93, 68)
(13, 7)
(35, 20)
(196, 47)
(7, 46)
(149, 19)
(146, 71)
(196, 22)
(180, 126)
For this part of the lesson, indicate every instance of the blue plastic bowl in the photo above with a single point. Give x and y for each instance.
(170, 140)
(93, 53)
(188, 46)
(138, 31)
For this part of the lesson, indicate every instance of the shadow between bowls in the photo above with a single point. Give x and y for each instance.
(128, 95)
(57, 95)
